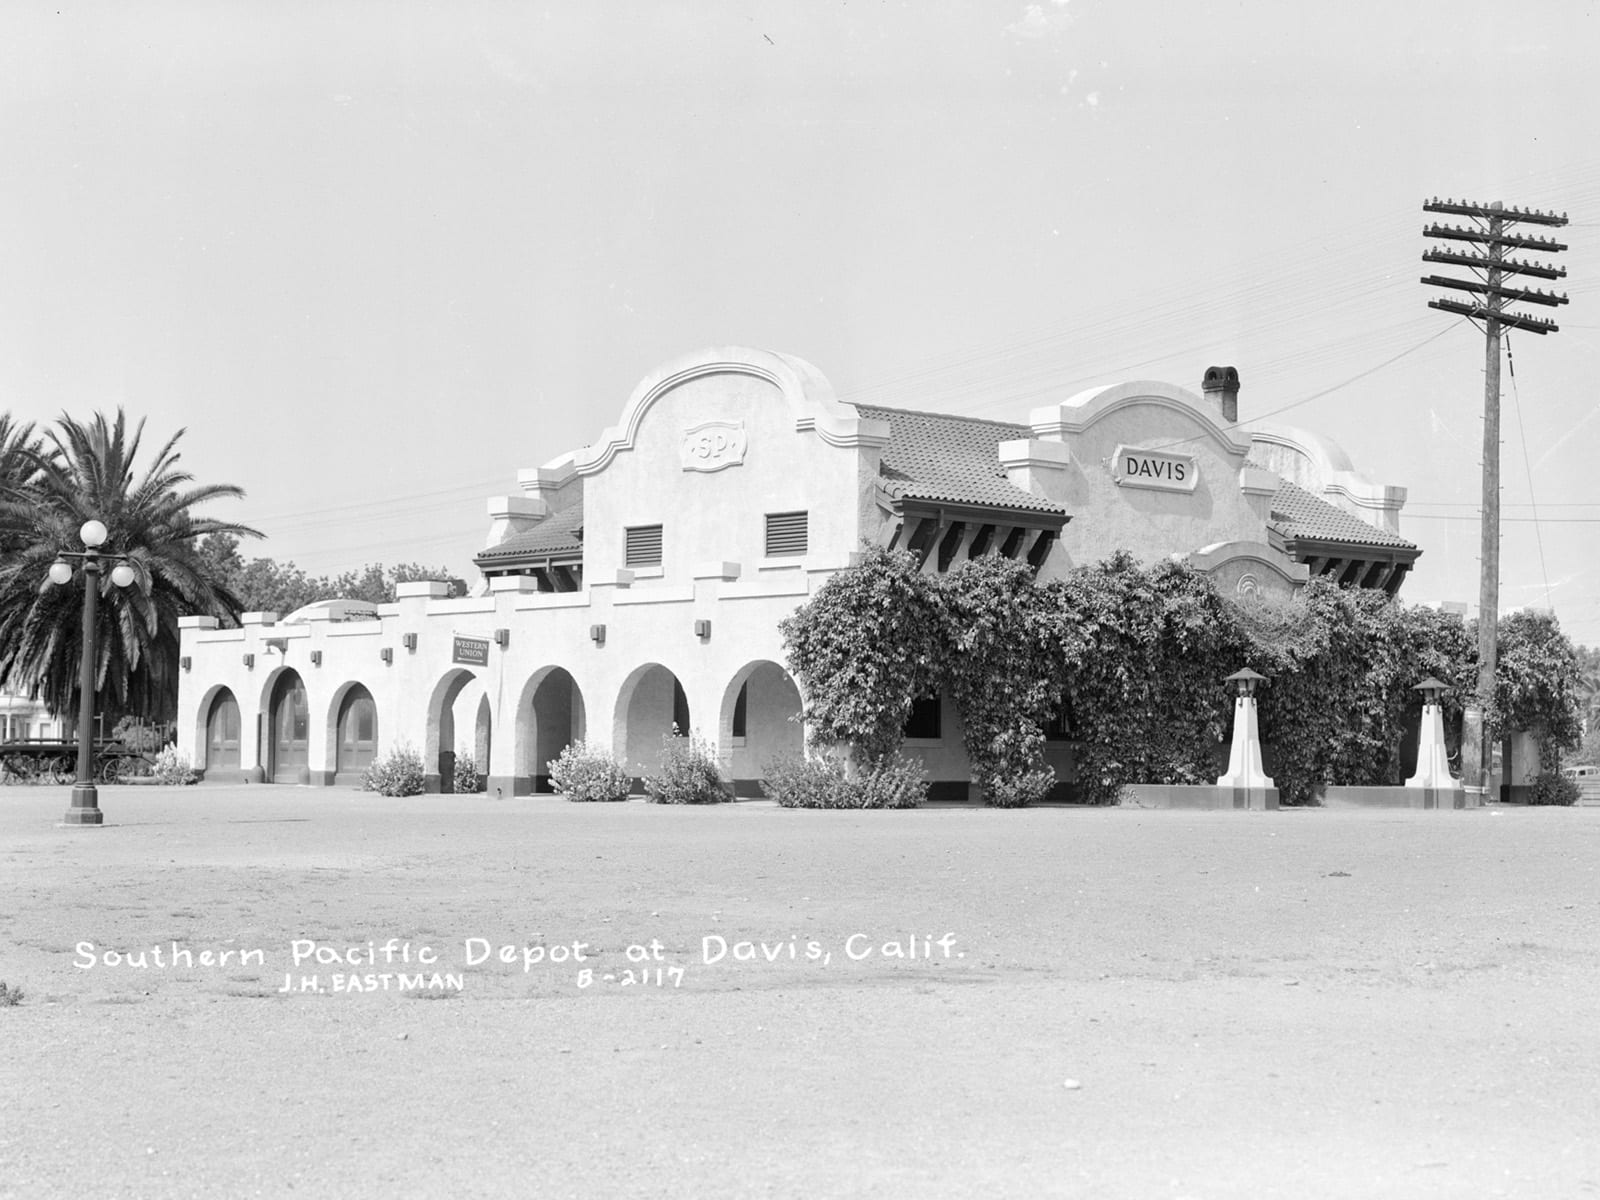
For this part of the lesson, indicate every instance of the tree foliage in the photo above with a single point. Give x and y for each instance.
(1003, 667)
(866, 647)
(1537, 681)
(1146, 651)
(265, 585)
(1138, 655)
(1343, 666)
(80, 471)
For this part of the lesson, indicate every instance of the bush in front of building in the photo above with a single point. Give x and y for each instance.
(823, 781)
(172, 767)
(895, 781)
(688, 774)
(1552, 787)
(397, 773)
(795, 781)
(467, 779)
(585, 771)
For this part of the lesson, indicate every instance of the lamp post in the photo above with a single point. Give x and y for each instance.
(85, 806)
(1252, 786)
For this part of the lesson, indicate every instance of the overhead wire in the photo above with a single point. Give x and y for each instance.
(1538, 532)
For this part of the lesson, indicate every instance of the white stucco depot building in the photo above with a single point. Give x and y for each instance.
(637, 584)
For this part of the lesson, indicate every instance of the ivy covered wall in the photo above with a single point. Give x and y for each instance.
(1135, 656)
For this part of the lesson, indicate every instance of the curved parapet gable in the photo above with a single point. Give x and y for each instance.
(806, 391)
(1249, 568)
(1078, 413)
(1320, 466)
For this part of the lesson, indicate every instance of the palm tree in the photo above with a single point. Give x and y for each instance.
(83, 472)
(19, 459)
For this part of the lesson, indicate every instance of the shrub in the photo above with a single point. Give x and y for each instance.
(398, 773)
(172, 767)
(688, 773)
(467, 779)
(1017, 788)
(1552, 787)
(589, 772)
(895, 782)
(797, 782)
(10, 996)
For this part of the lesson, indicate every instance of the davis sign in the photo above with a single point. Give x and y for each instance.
(1158, 469)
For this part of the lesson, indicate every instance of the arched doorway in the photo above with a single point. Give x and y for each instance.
(356, 741)
(557, 720)
(222, 735)
(439, 741)
(760, 721)
(652, 705)
(290, 722)
(482, 740)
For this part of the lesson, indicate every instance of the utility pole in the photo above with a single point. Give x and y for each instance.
(1488, 238)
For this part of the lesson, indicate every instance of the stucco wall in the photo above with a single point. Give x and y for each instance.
(1108, 516)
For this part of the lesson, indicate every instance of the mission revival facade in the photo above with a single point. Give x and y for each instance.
(635, 585)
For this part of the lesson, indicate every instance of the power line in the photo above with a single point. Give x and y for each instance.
(1356, 378)
(1538, 533)
(1411, 516)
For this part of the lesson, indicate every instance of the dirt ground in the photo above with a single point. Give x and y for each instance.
(1096, 1003)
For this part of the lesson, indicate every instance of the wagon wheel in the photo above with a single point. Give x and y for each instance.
(111, 769)
(60, 770)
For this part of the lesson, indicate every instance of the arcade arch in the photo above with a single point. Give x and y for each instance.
(760, 720)
(650, 706)
(550, 717)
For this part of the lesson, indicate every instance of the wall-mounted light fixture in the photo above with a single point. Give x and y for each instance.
(597, 634)
(387, 654)
(410, 640)
(316, 658)
(702, 629)
(186, 662)
(250, 662)
(502, 637)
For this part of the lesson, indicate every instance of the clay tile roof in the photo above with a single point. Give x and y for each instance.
(938, 457)
(558, 534)
(1296, 513)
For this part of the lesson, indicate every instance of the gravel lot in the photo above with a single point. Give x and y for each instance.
(1125, 1003)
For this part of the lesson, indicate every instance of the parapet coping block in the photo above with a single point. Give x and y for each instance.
(430, 589)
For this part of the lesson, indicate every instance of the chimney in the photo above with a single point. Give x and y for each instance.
(1221, 384)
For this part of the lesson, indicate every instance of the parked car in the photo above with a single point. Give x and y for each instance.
(1587, 777)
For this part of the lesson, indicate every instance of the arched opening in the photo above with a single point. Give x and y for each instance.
(482, 737)
(552, 718)
(222, 735)
(760, 721)
(290, 723)
(439, 742)
(356, 737)
(651, 705)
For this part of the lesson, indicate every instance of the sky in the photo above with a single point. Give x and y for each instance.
(375, 258)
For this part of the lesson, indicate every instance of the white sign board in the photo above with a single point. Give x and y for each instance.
(712, 445)
(1158, 469)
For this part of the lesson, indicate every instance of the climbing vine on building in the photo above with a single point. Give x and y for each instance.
(1004, 668)
(1137, 656)
(1145, 650)
(865, 648)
